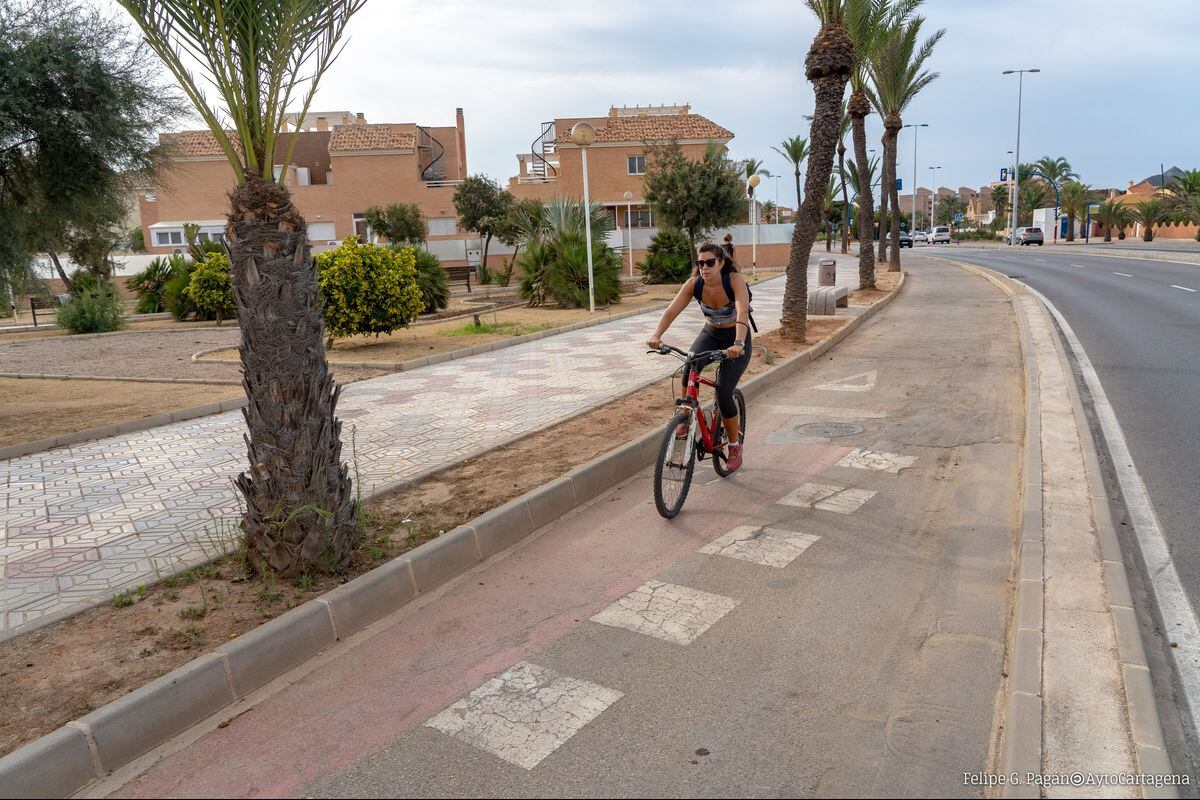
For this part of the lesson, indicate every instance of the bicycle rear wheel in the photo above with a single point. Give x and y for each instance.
(719, 436)
(674, 468)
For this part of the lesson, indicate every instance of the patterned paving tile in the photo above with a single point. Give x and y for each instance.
(168, 484)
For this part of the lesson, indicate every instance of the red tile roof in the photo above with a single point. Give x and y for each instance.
(372, 137)
(192, 143)
(656, 128)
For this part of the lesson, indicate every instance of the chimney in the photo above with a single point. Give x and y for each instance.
(360, 119)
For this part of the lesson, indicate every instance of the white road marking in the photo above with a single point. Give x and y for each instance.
(1081, 266)
(861, 458)
(827, 498)
(1123, 274)
(825, 411)
(1179, 617)
(1040, 259)
(525, 714)
(771, 547)
(1186, 289)
(667, 611)
(849, 385)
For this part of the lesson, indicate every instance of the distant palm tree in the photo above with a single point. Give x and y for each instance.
(855, 178)
(898, 75)
(828, 66)
(865, 24)
(1033, 195)
(1183, 196)
(1073, 198)
(828, 206)
(1057, 170)
(1150, 213)
(1111, 214)
(795, 150)
(255, 59)
(1000, 200)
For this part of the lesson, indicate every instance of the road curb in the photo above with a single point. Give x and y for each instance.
(69, 758)
(1022, 725)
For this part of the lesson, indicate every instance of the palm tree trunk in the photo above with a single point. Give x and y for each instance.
(299, 506)
(827, 66)
(799, 196)
(866, 204)
(891, 135)
(884, 197)
(1070, 227)
(845, 197)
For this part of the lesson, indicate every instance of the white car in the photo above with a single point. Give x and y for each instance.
(941, 235)
(921, 236)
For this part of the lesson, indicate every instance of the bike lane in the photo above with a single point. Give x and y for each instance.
(828, 620)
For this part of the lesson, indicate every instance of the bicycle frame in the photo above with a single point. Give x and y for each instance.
(691, 400)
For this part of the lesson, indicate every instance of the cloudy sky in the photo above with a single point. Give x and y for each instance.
(1116, 95)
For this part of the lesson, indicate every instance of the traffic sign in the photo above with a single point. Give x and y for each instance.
(899, 184)
(958, 217)
(1003, 174)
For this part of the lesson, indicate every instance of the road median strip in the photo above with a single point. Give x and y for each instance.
(69, 758)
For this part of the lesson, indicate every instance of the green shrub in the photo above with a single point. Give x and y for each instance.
(668, 258)
(96, 309)
(567, 276)
(367, 289)
(210, 288)
(175, 299)
(433, 282)
(150, 283)
(137, 240)
(535, 261)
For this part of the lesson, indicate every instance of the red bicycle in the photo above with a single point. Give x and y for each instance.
(691, 434)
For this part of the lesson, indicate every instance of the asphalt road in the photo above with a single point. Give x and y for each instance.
(1139, 321)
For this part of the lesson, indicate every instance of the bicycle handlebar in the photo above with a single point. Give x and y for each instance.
(666, 350)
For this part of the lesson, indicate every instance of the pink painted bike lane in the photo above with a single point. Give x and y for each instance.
(843, 602)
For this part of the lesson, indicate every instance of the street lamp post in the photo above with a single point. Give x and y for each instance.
(753, 182)
(629, 227)
(914, 126)
(1017, 155)
(583, 134)
(933, 201)
(777, 199)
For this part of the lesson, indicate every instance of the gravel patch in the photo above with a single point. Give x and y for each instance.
(146, 354)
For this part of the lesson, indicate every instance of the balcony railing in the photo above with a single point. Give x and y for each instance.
(537, 179)
(442, 184)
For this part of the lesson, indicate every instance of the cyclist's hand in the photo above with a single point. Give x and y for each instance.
(734, 352)
(654, 343)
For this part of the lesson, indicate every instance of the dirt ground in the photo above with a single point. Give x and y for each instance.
(60, 672)
(39, 409)
(141, 325)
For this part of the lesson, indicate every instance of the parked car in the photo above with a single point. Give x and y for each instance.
(905, 239)
(1031, 236)
(941, 235)
(921, 236)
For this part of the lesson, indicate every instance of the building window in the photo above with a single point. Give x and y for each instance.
(168, 238)
(637, 165)
(442, 226)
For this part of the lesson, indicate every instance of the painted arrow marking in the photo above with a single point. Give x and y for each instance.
(852, 384)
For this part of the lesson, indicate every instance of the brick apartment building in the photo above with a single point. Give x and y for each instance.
(341, 166)
(616, 161)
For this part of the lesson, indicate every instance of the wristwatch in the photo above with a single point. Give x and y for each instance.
(739, 343)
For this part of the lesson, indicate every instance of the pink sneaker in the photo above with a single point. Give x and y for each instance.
(733, 456)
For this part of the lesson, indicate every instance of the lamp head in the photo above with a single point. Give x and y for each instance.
(583, 133)
(629, 195)
(755, 180)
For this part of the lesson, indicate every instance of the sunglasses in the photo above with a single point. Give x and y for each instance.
(706, 262)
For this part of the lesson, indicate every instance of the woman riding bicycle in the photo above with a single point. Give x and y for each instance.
(725, 302)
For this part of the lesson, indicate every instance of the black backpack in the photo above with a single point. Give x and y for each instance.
(698, 292)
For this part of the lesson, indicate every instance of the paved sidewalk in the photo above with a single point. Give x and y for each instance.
(85, 522)
(830, 621)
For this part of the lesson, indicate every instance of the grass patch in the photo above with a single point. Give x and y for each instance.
(504, 328)
(123, 599)
(192, 612)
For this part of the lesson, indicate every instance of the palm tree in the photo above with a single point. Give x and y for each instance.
(1057, 170)
(865, 25)
(828, 206)
(258, 56)
(1150, 213)
(750, 168)
(1000, 200)
(1074, 197)
(828, 66)
(795, 150)
(855, 177)
(1183, 196)
(898, 75)
(841, 153)
(1111, 214)
(1033, 195)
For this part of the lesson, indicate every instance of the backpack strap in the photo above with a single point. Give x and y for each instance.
(698, 289)
(725, 279)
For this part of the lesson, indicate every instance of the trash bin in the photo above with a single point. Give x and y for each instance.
(827, 272)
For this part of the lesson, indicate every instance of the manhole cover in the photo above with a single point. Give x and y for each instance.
(829, 429)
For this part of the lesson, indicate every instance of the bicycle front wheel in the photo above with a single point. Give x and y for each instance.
(673, 470)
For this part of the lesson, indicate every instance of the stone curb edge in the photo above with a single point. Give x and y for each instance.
(69, 758)
(1021, 736)
(1145, 724)
(1023, 718)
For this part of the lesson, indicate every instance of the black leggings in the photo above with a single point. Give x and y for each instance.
(730, 371)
